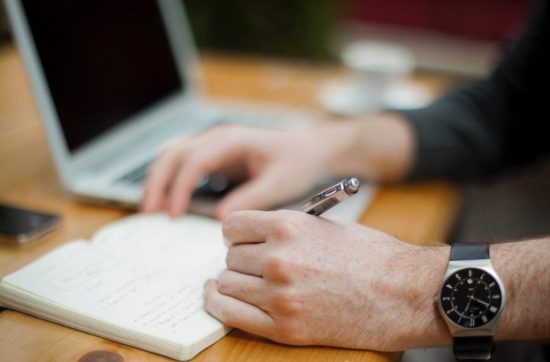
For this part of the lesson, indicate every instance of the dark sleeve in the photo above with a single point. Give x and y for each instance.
(494, 123)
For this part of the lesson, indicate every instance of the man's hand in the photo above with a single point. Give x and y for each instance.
(279, 166)
(299, 279)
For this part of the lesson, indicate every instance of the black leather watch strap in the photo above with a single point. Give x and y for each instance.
(473, 348)
(478, 348)
(469, 251)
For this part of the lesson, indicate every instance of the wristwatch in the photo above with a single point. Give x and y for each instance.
(470, 300)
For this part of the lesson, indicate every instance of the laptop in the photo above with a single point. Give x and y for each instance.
(115, 80)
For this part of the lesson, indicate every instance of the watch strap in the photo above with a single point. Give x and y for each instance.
(473, 348)
(469, 251)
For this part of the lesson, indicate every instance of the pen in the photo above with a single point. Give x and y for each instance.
(332, 196)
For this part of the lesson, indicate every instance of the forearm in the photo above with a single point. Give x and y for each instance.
(524, 268)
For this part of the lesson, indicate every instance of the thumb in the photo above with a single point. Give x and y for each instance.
(258, 193)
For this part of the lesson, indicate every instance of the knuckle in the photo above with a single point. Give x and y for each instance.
(281, 228)
(230, 259)
(199, 163)
(223, 283)
(226, 231)
(285, 224)
(275, 263)
(159, 165)
(286, 302)
(277, 267)
(228, 225)
(227, 316)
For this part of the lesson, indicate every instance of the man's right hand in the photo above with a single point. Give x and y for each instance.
(279, 166)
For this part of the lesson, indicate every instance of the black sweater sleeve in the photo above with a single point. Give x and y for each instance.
(494, 123)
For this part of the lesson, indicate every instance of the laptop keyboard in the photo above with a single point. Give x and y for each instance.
(209, 186)
(136, 176)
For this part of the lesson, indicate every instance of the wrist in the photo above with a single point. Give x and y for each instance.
(388, 147)
(502, 255)
(340, 146)
(379, 148)
(427, 328)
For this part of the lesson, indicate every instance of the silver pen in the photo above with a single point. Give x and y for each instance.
(332, 196)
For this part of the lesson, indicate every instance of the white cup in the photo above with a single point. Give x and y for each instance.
(375, 66)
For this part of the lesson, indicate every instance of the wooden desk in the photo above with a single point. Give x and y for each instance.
(418, 213)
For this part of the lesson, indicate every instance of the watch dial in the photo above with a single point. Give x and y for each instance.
(471, 297)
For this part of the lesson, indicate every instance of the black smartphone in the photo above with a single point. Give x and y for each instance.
(18, 225)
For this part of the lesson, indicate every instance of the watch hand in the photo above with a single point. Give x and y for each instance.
(471, 297)
(468, 305)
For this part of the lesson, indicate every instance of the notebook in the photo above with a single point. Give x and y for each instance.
(138, 281)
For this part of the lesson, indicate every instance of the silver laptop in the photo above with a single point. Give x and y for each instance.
(114, 80)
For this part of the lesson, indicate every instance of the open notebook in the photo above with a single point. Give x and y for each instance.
(138, 281)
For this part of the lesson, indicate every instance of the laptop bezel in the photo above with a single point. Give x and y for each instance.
(71, 165)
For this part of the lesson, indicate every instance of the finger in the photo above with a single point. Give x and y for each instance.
(185, 182)
(250, 289)
(204, 160)
(245, 227)
(259, 193)
(158, 179)
(246, 258)
(236, 313)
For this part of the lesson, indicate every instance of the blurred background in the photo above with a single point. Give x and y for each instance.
(459, 36)
(4, 34)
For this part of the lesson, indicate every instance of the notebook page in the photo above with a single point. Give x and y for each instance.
(91, 282)
(189, 245)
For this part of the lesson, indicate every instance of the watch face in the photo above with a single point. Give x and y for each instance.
(470, 297)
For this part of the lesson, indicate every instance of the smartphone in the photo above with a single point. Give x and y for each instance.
(18, 225)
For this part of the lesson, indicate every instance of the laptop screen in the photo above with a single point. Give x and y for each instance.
(104, 61)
